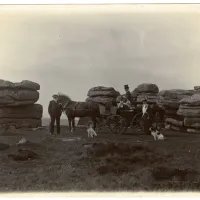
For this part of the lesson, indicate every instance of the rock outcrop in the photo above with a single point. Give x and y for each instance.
(16, 94)
(190, 109)
(102, 95)
(169, 100)
(29, 111)
(197, 88)
(146, 90)
(17, 104)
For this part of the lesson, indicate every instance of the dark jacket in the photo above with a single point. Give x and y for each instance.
(129, 96)
(150, 112)
(54, 109)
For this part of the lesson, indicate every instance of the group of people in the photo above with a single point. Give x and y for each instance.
(55, 109)
(126, 101)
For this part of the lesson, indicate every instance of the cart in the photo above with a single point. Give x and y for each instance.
(118, 121)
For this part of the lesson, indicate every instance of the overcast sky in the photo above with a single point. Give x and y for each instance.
(73, 48)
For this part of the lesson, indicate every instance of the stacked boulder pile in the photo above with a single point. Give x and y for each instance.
(102, 95)
(146, 90)
(17, 104)
(169, 100)
(197, 88)
(190, 110)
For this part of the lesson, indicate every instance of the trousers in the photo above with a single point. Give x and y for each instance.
(52, 122)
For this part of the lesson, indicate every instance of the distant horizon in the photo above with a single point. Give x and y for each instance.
(63, 121)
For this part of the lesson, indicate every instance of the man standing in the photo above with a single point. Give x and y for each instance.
(146, 115)
(55, 112)
(128, 94)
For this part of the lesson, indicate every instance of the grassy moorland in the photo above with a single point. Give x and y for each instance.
(105, 163)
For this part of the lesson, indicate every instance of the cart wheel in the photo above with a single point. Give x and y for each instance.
(137, 123)
(116, 124)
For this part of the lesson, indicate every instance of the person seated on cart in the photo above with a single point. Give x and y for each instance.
(145, 107)
(128, 94)
(124, 104)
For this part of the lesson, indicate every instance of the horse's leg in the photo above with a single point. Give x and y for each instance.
(69, 122)
(73, 125)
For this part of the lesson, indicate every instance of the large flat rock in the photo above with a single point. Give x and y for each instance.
(147, 88)
(193, 100)
(17, 97)
(25, 84)
(20, 123)
(175, 94)
(30, 111)
(102, 91)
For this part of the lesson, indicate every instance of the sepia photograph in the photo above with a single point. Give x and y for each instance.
(100, 98)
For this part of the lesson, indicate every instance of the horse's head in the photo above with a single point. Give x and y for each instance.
(63, 99)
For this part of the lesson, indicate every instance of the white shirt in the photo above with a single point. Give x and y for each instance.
(144, 109)
(120, 104)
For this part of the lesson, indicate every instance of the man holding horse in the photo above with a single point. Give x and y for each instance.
(73, 109)
(55, 112)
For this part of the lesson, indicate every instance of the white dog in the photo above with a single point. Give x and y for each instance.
(156, 134)
(91, 132)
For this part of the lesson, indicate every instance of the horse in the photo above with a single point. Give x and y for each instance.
(74, 109)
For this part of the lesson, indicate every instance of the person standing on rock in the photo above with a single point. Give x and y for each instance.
(55, 112)
(128, 94)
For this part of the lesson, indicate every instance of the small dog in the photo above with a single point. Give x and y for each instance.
(91, 132)
(155, 132)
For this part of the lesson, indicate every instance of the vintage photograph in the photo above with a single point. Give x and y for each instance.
(100, 98)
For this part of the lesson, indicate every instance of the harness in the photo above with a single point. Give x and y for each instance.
(65, 106)
(74, 108)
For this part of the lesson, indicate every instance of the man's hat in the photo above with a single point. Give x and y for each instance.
(126, 87)
(55, 95)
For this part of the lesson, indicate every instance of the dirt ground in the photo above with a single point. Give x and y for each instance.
(108, 162)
